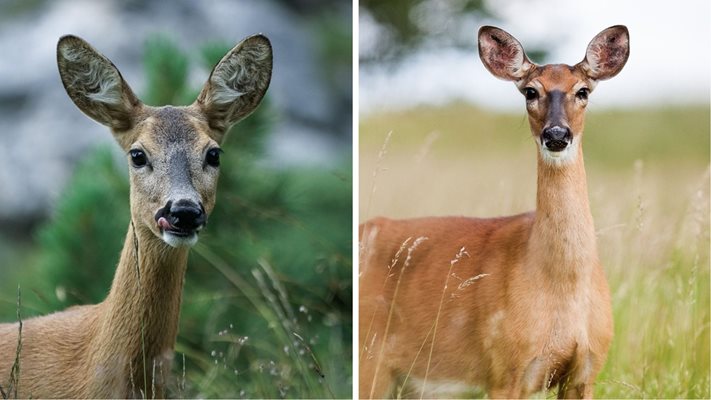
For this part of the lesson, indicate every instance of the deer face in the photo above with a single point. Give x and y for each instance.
(173, 166)
(173, 153)
(556, 94)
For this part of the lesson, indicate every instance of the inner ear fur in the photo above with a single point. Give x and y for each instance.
(607, 53)
(502, 54)
(94, 84)
(237, 84)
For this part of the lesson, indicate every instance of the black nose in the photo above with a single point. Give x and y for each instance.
(183, 215)
(187, 215)
(556, 138)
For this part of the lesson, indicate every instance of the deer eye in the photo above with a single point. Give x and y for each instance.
(583, 93)
(213, 157)
(138, 158)
(530, 93)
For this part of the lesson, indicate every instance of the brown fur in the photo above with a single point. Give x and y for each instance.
(516, 304)
(98, 351)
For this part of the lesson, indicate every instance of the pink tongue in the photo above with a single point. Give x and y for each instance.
(163, 223)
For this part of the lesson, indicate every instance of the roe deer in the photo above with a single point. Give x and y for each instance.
(531, 310)
(112, 349)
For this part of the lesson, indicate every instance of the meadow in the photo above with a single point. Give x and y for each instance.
(648, 182)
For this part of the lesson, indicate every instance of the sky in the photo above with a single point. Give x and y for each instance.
(670, 43)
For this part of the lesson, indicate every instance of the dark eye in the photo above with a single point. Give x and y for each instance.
(213, 157)
(530, 93)
(583, 93)
(138, 158)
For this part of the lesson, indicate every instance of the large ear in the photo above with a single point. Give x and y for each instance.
(94, 84)
(237, 84)
(607, 53)
(502, 54)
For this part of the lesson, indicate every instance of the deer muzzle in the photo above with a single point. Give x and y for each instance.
(556, 138)
(181, 218)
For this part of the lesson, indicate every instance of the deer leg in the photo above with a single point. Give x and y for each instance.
(575, 391)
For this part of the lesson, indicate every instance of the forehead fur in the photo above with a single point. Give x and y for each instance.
(557, 76)
(170, 125)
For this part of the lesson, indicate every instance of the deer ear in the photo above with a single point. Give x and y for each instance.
(237, 84)
(607, 53)
(94, 84)
(502, 54)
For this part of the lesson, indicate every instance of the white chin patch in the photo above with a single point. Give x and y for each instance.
(179, 241)
(559, 158)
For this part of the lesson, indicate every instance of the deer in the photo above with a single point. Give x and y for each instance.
(123, 346)
(512, 305)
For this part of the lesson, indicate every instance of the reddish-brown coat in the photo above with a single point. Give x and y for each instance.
(516, 304)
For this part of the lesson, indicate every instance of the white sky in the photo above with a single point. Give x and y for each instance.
(670, 43)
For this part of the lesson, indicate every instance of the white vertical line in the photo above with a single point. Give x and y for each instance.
(356, 191)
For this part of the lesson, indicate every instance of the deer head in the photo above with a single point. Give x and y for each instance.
(173, 153)
(556, 94)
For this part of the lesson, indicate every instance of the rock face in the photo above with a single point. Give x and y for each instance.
(43, 135)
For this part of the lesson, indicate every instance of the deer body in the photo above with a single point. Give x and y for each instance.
(516, 304)
(123, 346)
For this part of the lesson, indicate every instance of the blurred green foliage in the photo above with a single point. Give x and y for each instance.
(410, 23)
(167, 73)
(406, 26)
(79, 248)
(267, 301)
(402, 16)
(12, 8)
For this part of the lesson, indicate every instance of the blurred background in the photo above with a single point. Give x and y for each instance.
(267, 301)
(439, 135)
(424, 51)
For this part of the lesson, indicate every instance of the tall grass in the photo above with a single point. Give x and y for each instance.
(290, 368)
(648, 181)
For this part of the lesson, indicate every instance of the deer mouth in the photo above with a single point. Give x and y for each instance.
(166, 226)
(182, 217)
(180, 222)
(556, 146)
(558, 154)
(175, 236)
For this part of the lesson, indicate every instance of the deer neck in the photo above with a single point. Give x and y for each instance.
(139, 318)
(563, 235)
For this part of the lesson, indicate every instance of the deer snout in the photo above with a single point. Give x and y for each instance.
(556, 138)
(183, 217)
